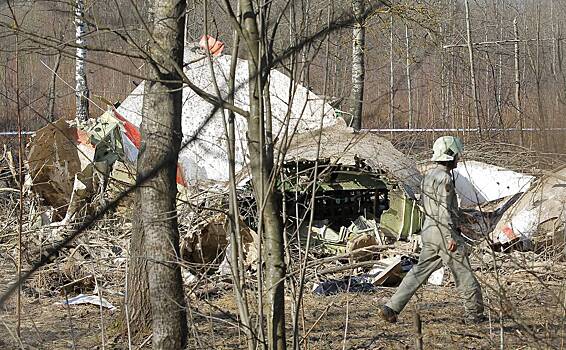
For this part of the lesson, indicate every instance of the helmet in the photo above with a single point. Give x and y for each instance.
(446, 148)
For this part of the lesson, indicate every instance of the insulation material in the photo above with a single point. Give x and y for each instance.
(356, 247)
(478, 183)
(544, 203)
(207, 244)
(60, 158)
(344, 146)
(205, 158)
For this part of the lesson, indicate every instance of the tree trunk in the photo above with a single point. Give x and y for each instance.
(161, 135)
(445, 81)
(562, 89)
(51, 93)
(236, 246)
(81, 89)
(472, 69)
(138, 307)
(391, 77)
(487, 105)
(552, 30)
(358, 66)
(261, 164)
(499, 83)
(408, 73)
(236, 254)
(518, 84)
(538, 79)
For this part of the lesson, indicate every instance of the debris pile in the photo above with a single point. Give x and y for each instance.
(366, 216)
(360, 174)
(204, 161)
(355, 198)
(96, 259)
(537, 219)
(478, 183)
(8, 176)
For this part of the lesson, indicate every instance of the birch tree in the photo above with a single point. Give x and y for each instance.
(81, 88)
(391, 76)
(358, 67)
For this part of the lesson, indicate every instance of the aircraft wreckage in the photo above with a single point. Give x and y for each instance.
(362, 176)
(366, 191)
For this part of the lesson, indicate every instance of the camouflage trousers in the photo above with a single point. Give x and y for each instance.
(433, 255)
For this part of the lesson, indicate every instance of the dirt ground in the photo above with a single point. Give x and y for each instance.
(343, 321)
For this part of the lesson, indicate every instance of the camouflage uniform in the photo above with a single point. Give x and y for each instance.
(440, 226)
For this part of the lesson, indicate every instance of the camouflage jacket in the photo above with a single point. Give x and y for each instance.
(440, 203)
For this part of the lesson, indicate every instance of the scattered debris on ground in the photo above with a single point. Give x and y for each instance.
(537, 219)
(363, 230)
(367, 213)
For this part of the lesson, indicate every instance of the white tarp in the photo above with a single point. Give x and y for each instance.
(478, 182)
(206, 158)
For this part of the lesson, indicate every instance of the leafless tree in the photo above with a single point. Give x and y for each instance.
(81, 90)
(358, 63)
(261, 166)
(473, 85)
(161, 132)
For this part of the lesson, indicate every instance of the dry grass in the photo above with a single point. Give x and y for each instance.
(533, 317)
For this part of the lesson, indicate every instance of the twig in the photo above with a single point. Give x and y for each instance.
(347, 315)
(316, 322)
(17, 339)
(70, 321)
(21, 190)
(145, 341)
(103, 340)
(7, 189)
(342, 268)
(418, 330)
(562, 322)
(489, 318)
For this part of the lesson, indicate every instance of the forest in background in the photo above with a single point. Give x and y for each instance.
(421, 44)
(112, 220)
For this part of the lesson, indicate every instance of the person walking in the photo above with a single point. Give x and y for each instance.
(442, 242)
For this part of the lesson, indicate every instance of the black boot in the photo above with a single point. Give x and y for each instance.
(388, 314)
